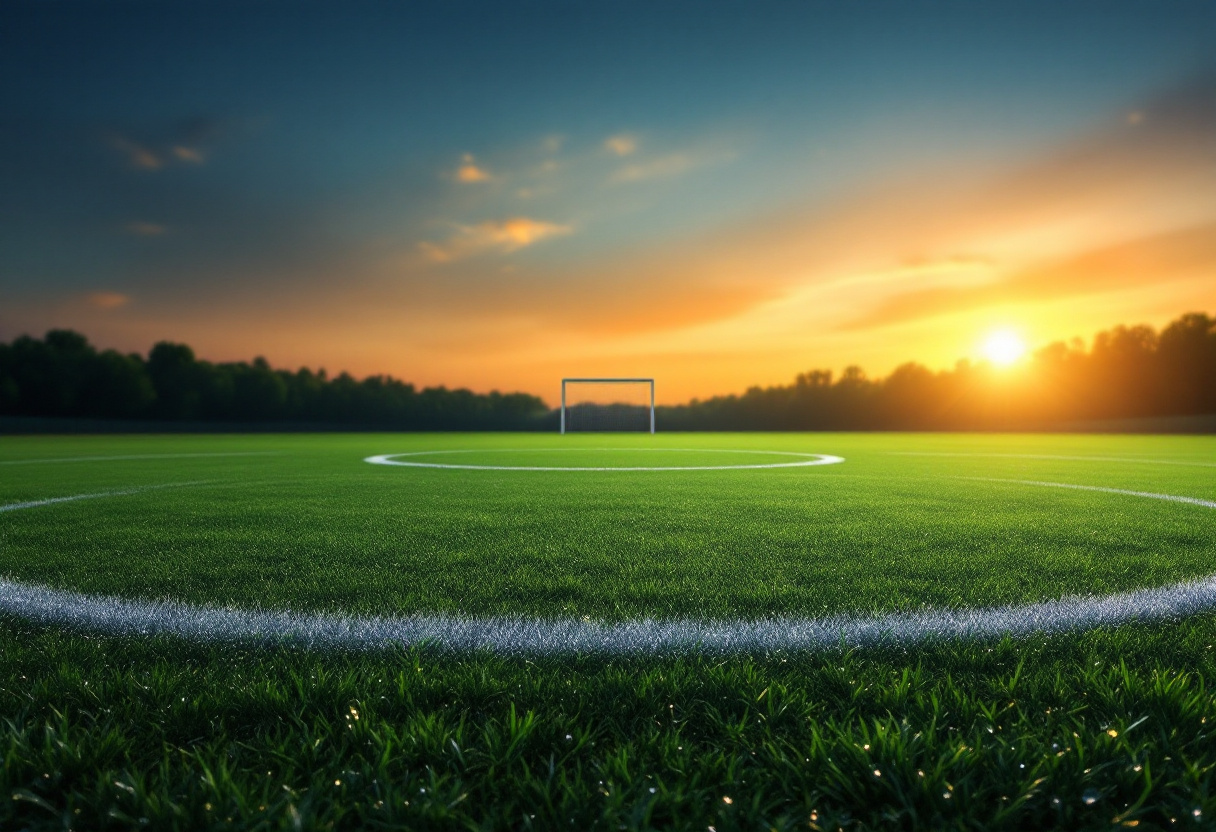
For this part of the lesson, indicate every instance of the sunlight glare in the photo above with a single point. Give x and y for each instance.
(1004, 347)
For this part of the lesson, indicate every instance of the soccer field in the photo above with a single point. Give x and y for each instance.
(691, 630)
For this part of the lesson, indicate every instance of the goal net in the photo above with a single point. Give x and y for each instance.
(608, 404)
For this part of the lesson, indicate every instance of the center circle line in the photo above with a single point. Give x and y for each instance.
(395, 459)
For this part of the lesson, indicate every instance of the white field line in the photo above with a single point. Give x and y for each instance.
(1135, 460)
(133, 456)
(121, 493)
(521, 635)
(1195, 501)
(810, 459)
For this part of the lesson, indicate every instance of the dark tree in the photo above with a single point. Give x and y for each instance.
(1128, 372)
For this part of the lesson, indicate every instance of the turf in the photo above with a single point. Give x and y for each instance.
(304, 523)
(1071, 731)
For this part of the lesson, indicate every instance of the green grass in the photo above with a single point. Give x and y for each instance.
(1068, 731)
(309, 525)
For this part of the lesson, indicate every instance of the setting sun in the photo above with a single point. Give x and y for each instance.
(1004, 348)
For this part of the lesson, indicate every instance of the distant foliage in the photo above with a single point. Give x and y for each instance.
(1127, 373)
(63, 375)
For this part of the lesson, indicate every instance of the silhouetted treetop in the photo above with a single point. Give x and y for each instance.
(1127, 372)
(63, 375)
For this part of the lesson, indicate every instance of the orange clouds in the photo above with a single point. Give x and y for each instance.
(142, 157)
(470, 172)
(1117, 226)
(1151, 261)
(189, 154)
(503, 236)
(108, 300)
(137, 155)
(622, 144)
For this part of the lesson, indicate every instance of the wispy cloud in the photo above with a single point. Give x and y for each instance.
(138, 155)
(621, 144)
(186, 142)
(502, 236)
(145, 229)
(1155, 260)
(470, 172)
(189, 154)
(671, 164)
(108, 300)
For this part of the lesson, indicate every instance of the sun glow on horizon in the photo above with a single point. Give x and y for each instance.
(1004, 347)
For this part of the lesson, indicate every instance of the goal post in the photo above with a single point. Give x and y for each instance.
(607, 404)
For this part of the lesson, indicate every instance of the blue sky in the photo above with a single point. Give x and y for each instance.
(496, 194)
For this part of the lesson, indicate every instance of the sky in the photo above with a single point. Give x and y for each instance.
(497, 195)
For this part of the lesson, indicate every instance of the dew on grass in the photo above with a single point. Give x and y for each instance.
(1090, 797)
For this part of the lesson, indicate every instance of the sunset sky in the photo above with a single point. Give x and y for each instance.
(495, 195)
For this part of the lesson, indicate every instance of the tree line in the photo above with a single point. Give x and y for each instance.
(1125, 373)
(63, 375)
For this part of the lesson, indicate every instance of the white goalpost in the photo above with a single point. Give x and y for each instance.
(608, 404)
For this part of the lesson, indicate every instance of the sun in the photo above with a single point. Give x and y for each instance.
(1004, 347)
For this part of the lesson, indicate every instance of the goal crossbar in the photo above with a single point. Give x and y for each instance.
(647, 381)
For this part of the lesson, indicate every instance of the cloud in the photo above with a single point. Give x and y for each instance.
(108, 300)
(469, 171)
(1177, 255)
(187, 142)
(553, 143)
(663, 167)
(621, 144)
(146, 229)
(502, 236)
(673, 164)
(435, 252)
(189, 154)
(1129, 206)
(139, 156)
